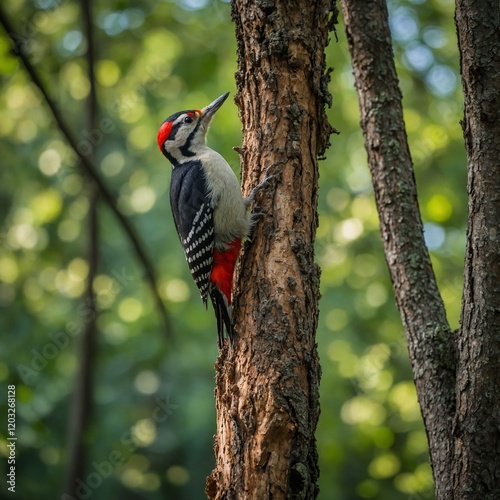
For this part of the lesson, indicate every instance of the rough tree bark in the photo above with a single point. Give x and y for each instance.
(430, 341)
(456, 376)
(267, 385)
(476, 471)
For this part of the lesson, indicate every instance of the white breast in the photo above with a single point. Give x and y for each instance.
(231, 217)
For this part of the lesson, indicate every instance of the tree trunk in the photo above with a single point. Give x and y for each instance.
(267, 384)
(430, 341)
(456, 376)
(476, 471)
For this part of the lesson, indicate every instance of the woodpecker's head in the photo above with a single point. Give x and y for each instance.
(182, 133)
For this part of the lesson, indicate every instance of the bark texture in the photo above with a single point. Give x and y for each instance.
(430, 341)
(456, 376)
(267, 384)
(476, 472)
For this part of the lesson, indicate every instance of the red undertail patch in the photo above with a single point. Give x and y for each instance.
(223, 268)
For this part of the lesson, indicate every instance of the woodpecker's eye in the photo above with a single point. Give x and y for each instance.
(188, 119)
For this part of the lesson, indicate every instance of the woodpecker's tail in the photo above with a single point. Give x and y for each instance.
(223, 315)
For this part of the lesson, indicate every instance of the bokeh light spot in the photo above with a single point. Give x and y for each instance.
(144, 432)
(130, 309)
(146, 382)
(177, 475)
(362, 409)
(384, 466)
(49, 162)
(107, 72)
(439, 208)
(143, 199)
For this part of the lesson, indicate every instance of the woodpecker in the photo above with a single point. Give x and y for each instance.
(210, 213)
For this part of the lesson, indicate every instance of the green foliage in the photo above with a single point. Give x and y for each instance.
(154, 415)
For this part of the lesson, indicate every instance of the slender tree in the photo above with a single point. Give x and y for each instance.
(82, 404)
(455, 373)
(267, 384)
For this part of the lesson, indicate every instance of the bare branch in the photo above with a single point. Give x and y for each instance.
(88, 168)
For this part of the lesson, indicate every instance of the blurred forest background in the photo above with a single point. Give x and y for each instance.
(154, 404)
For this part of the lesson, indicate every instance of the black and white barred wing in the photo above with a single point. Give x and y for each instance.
(198, 247)
(193, 216)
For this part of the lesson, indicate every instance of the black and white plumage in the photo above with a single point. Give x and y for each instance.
(211, 216)
(193, 217)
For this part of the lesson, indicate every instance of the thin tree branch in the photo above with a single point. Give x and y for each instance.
(430, 340)
(82, 403)
(88, 167)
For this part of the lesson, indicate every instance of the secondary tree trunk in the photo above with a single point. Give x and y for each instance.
(430, 341)
(267, 385)
(476, 470)
(456, 375)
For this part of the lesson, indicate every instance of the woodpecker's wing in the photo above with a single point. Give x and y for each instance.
(193, 216)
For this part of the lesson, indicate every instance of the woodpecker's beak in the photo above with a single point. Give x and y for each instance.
(208, 111)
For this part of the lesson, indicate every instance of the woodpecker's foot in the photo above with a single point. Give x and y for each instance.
(255, 217)
(257, 214)
(261, 185)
